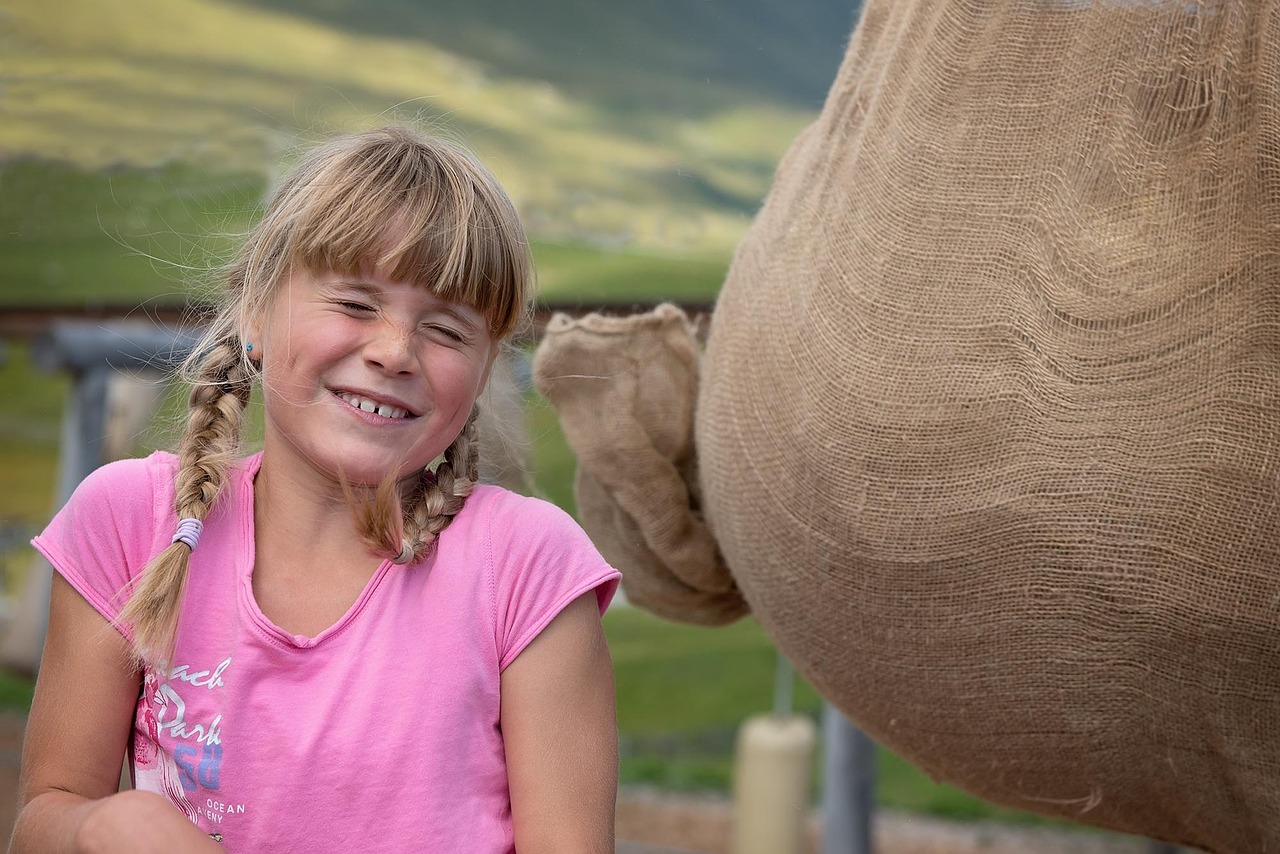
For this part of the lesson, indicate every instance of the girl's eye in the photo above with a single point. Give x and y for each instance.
(451, 334)
(356, 306)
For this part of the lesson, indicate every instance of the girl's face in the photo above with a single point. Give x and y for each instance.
(362, 375)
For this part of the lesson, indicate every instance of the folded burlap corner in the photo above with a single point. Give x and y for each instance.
(624, 389)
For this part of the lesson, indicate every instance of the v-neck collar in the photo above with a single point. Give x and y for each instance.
(263, 624)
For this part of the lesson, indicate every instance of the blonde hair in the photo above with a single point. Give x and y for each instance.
(455, 233)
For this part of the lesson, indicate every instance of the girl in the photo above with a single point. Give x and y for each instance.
(340, 643)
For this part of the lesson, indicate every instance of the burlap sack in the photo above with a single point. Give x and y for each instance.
(988, 425)
(624, 390)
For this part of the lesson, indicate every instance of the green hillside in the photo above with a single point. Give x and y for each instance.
(684, 56)
(652, 128)
(120, 236)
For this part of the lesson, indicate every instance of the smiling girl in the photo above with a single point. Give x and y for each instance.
(343, 642)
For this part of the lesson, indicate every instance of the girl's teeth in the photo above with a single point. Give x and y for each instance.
(384, 410)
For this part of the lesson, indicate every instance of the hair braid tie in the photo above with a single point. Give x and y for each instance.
(189, 532)
(406, 553)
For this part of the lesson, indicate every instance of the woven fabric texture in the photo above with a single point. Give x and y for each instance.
(988, 424)
(624, 390)
(987, 427)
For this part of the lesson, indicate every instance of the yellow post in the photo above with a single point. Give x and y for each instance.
(773, 765)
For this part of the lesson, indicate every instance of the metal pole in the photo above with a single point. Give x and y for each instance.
(91, 353)
(848, 779)
(84, 428)
(80, 454)
(784, 686)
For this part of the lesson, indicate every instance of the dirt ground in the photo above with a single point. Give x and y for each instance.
(652, 822)
(656, 823)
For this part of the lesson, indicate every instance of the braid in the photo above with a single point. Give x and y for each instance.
(429, 507)
(439, 497)
(218, 398)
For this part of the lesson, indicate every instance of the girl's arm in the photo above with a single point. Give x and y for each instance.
(75, 743)
(560, 729)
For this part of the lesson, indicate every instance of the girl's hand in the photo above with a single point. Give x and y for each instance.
(140, 823)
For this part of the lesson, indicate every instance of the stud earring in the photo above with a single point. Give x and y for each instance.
(248, 348)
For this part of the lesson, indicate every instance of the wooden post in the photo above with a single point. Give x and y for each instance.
(772, 765)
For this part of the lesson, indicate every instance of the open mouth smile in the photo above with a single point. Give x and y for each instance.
(367, 404)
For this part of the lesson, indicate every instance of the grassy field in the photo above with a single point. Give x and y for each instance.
(234, 89)
(76, 236)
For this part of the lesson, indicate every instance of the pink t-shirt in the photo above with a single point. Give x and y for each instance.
(379, 734)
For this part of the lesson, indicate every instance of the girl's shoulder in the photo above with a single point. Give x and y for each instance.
(150, 480)
(119, 517)
(524, 533)
(107, 531)
(523, 515)
(538, 560)
(130, 479)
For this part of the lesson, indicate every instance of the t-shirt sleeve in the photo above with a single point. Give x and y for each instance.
(104, 535)
(542, 560)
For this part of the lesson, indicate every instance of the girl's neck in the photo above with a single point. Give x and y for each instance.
(306, 517)
(310, 563)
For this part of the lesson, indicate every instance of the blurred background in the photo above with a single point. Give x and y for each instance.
(137, 138)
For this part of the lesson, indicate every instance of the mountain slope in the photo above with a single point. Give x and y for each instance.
(613, 142)
(683, 55)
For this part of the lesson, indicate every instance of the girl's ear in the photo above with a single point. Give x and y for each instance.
(251, 340)
(254, 318)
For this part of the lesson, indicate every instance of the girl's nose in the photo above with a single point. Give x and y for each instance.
(391, 348)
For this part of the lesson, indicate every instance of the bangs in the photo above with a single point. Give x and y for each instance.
(424, 214)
